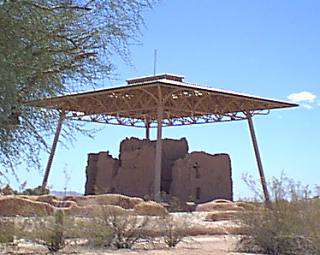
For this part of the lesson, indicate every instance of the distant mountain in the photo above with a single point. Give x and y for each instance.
(62, 193)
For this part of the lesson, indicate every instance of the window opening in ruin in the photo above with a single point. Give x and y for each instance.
(196, 168)
(198, 193)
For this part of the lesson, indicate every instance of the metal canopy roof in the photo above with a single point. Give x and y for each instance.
(138, 102)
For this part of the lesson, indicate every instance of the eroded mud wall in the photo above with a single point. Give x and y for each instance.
(197, 176)
(202, 177)
(100, 171)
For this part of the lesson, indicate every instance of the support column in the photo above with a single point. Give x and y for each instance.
(258, 159)
(158, 159)
(147, 129)
(53, 150)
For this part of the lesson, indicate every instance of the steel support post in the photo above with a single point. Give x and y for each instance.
(258, 159)
(158, 160)
(52, 152)
(147, 129)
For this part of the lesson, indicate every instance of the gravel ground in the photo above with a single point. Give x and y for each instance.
(199, 245)
(217, 238)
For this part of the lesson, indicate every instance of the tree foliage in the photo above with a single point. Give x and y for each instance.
(53, 47)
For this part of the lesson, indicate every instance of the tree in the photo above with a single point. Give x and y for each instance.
(53, 47)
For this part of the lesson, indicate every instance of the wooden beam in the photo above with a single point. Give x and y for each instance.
(259, 161)
(52, 152)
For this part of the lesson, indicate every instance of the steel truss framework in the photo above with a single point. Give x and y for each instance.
(160, 101)
(137, 105)
(166, 122)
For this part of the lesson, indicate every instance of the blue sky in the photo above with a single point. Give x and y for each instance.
(266, 48)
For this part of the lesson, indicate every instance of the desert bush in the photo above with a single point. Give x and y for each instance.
(105, 227)
(98, 235)
(7, 190)
(173, 229)
(117, 230)
(126, 229)
(290, 227)
(56, 241)
(93, 230)
(37, 191)
(175, 204)
(7, 231)
(48, 231)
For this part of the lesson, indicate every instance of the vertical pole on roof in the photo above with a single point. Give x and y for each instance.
(155, 62)
(52, 152)
(258, 159)
(157, 167)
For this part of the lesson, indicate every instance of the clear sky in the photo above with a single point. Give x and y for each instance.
(266, 48)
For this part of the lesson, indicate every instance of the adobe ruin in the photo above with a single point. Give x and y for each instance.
(196, 176)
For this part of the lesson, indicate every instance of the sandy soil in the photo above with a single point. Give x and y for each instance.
(208, 237)
(200, 245)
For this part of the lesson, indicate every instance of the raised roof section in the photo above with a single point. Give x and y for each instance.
(171, 77)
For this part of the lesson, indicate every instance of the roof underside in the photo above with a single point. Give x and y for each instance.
(137, 103)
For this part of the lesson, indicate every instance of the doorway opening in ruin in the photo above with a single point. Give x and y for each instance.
(198, 193)
(165, 187)
(196, 168)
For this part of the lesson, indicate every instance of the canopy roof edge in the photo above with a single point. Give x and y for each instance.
(180, 100)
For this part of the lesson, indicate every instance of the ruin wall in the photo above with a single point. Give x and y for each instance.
(133, 173)
(207, 177)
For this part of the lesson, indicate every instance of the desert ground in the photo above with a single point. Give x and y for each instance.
(211, 228)
(199, 245)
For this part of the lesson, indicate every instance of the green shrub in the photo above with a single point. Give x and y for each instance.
(37, 191)
(112, 228)
(48, 231)
(126, 229)
(175, 204)
(7, 231)
(7, 190)
(56, 241)
(290, 227)
(94, 230)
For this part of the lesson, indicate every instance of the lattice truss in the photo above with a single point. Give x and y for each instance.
(138, 107)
